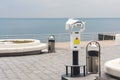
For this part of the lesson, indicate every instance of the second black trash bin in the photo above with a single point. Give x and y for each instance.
(51, 43)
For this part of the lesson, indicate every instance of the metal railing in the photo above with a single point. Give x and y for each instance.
(61, 37)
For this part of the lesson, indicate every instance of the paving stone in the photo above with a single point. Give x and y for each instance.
(49, 66)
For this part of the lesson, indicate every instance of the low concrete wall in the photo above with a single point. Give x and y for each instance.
(112, 67)
(21, 48)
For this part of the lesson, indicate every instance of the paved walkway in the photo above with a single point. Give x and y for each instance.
(48, 66)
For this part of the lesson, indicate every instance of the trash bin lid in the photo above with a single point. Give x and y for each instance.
(93, 53)
(51, 37)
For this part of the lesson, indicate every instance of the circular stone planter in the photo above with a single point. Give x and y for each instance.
(20, 46)
(112, 67)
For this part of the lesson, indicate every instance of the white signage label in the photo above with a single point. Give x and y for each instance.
(75, 40)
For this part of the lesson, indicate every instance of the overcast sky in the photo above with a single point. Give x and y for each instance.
(59, 8)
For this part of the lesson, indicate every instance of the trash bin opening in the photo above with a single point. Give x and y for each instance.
(51, 40)
(93, 53)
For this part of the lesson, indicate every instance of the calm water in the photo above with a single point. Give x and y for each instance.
(27, 26)
(54, 25)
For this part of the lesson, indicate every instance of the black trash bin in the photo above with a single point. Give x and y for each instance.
(93, 61)
(51, 44)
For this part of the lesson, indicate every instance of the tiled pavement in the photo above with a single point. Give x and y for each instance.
(48, 66)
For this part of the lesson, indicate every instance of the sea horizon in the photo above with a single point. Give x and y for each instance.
(48, 26)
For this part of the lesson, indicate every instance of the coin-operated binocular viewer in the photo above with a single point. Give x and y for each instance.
(75, 27)
(93, 58)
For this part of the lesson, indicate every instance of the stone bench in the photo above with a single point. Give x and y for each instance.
(112, 67)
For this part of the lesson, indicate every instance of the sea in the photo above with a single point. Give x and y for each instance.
(44, 26)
